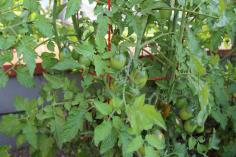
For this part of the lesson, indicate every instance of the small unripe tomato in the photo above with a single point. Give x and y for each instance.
(139, 77)
(83, 60)
(200, 129)
(118, 61)
(75, 55)
(65, 52)
(180, 103)
(186, 112)
(190, 126)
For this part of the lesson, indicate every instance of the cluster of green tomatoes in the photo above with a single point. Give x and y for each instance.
(186, 113)
(117, 62)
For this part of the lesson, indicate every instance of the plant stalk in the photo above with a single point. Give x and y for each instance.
(189, 11)
(76, 28)
(182, 26)
(54, 23)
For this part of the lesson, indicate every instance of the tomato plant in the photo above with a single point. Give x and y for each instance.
(167, 93)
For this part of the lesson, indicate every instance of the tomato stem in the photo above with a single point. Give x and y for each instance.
(54, 23)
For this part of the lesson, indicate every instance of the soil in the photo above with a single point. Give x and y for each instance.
(24, 152)
(20, 152)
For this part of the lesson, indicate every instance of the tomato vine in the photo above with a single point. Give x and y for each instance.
(140, 78)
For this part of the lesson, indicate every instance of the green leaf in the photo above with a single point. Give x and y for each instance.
(44, 26)
(124, 139)
(193, 43)
(73, 124)
(5, 4)
(108, 143)
(7, 124)
(56, 81)
(233, 116)
(145, 115)
(4, 151)
(148, 6)
(72, 7)
(139, 101)
(101, 33)
(216, 40)
(99, 64)
(26, 48)
(135, 144)
(181, 2)
(85, 49)
(49, 60)
(153, 140)
(68, 95)
(59, 9)
(30, 132)
(138, 25)
(7, 42)
(57, 129)
(222, 5)
(31, 5)
(214, 141)
(180, 150)
(203, 96)
(45, 144)
(197, 66)
(117, 122)
(103, 108)
(102, 131)
(214, 59)
(220, 117)
(66, 64)
(192, 143)
(202, 116)
(116, 103)
(51, 47)
(229, 149)
(24, 78)
(20, 140)
(23, 104)
(3, 79)
(150, 152)
(6, 57)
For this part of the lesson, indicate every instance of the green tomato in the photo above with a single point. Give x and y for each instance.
(186, 112)
(118, 61)
(139, 77)
(180, 103)
(83, 60)
(65, 52)
(200, 129)
(75, 55)
(190, 126)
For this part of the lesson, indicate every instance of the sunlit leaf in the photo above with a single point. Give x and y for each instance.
(102, 131)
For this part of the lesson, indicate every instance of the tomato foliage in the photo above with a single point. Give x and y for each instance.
(117, 110)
